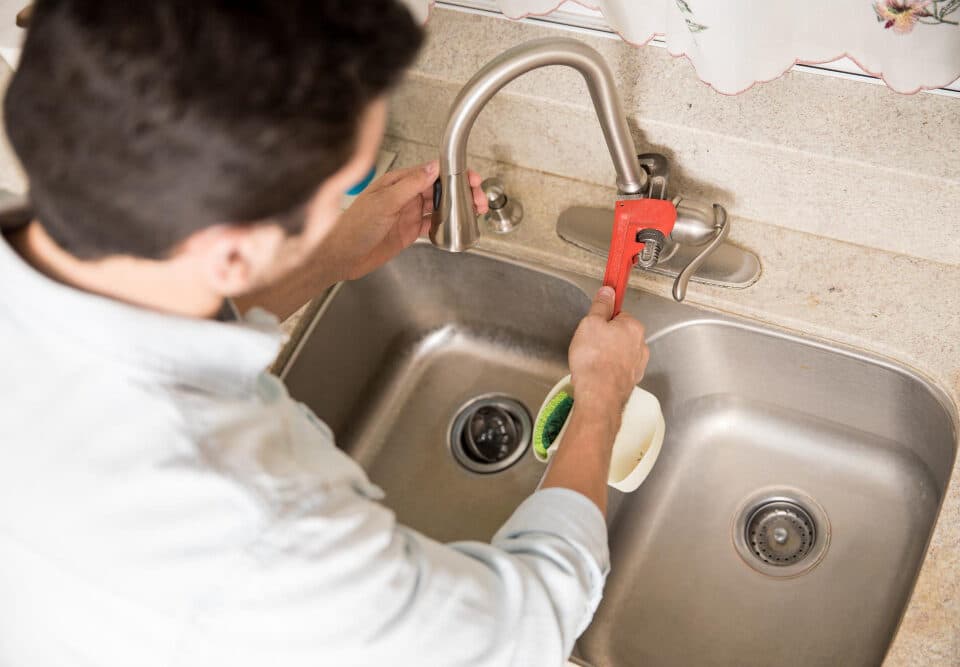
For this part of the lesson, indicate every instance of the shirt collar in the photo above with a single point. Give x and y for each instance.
(221, 357)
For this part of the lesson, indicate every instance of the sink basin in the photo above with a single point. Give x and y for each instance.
(393, 358)
(754, 414)
(843, 455)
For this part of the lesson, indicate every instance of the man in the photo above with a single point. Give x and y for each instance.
(164, 502)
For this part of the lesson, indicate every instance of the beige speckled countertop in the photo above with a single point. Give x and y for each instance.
(900, 307)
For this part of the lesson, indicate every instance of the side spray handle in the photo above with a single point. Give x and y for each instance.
(640, 229)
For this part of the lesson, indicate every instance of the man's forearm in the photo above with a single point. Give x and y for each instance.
(582, 463)
(287, 295)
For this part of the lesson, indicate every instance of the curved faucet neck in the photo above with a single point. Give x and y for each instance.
(455, 225)
(506, 67)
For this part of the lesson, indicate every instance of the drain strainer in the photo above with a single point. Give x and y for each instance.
(490, 433)
(782, 533)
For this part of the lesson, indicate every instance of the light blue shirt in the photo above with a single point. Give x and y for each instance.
(163, 501)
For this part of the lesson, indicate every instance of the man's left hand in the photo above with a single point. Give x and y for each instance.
(393, 212)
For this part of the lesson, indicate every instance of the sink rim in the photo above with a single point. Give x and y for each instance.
(826, 345)
(588, 286)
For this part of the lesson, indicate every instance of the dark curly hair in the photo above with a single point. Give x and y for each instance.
(139, 123)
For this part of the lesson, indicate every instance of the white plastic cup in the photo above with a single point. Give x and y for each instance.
(638, 441)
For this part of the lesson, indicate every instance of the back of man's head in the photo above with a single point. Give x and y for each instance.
(140, 123)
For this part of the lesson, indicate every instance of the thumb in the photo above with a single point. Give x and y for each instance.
(603, 303)
(412, 183)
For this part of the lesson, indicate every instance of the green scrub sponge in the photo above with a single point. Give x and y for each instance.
(550, 421)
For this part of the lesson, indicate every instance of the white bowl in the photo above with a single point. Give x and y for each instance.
(638, 441)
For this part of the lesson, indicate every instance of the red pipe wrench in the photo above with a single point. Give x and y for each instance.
(631, 219)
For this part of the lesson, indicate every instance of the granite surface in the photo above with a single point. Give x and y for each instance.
(901, 307)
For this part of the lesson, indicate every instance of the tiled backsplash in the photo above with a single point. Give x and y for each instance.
(837, 158)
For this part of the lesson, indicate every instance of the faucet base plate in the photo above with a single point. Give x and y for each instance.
(728, 266)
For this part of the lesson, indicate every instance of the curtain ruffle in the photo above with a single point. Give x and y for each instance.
(911, 44)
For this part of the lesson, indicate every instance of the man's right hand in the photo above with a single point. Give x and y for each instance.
(607, 356)
(607, 359)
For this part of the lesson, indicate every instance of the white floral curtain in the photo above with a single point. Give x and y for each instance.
(911, 44)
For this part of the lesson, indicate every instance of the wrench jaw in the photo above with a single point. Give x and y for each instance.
(640, 229)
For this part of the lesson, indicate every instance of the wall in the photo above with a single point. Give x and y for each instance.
(11, 177)
(843, 159)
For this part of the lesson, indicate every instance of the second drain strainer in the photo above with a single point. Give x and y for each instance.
(781, 532)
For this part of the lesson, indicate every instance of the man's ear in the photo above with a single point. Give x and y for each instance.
(232, 259)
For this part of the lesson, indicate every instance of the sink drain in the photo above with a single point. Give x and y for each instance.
(781, 534)
(490, 433)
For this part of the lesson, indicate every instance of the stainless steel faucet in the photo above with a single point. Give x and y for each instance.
(696, 248)
(455, 225)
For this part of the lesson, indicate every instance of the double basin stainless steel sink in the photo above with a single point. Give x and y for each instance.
(786, 518)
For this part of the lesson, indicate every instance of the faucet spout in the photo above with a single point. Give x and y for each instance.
(454, 226)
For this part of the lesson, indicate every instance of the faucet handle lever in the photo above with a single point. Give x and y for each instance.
(688, 230)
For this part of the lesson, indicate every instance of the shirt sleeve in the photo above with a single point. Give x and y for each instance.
(341, 582)
(561, 536)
